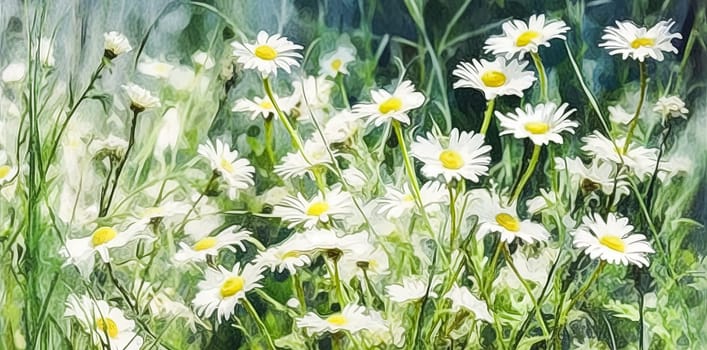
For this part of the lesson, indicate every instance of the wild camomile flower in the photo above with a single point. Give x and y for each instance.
(542, 124)
(494, 78)
(80, 251)
(466, 156)
(268, 54)
(352, 319)
(387, 106)
(342, 127)
(262, 106)
(295, 165)
(7, 170)
(311, 96)
(288, 255)
(639, 159)
(115, 44)
(155, 68)
(140, 99)
(495, 217)
(211, 245)
(335, 62)
(462, 299)
(412, 288)
(366, 256)
(238, 173)
(221, 290)
(612, 240)
(396, 203)
(628, 40)
(297, 210)
(597, 175)
(14, 72)
(105, 324)
(671, 107)
(520, 38)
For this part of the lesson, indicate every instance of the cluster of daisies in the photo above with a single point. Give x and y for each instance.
(381, 246)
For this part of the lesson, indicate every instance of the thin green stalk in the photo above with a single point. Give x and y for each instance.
(119, 170)
(536, 304)
(488, 115)
(251, 310)
(453, 217)
(293, 134)
(559, 326)
(269, 141)
(412, 176)
(634, 121)
(342, 89)
(337, 283)
(299, 292)
(417, 311)
(488, 279)
(541, 73)
(528, 172)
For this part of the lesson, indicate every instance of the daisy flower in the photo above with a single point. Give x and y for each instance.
(396, 203)
(311, 96)
(211, 245)
(462, 298)
(164, 210)
(373, 260)
(295, 165)
(7, 170)
(267, 54)
(262, 106)
(297, 210)
(140, 99)
(387, 106)
(342, 127)
(115, 44)
(238, 173)
(520, 38)
(494, 217)
(221, 290)
(14, 72)
(105, 324)
(411, 289)
(598, 175)
(336, 62)
(494, 78)
(288, 255)
(466, 156)
(352, 319)
(612, 240)
(628, 40)
(639, 159)
(80, 251)
(155, 68)
(671, 107)
(542, 124)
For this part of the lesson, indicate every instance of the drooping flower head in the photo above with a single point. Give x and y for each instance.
(629, 40)
(268, 53)
(520, 38)
(115, 44)
(140, 99)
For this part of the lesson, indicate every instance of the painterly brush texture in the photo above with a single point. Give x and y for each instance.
(353, 174)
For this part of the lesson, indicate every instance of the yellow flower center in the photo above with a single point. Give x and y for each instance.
(106, 325)
(265, 52)
(231, 286)
(4, 171)
(526, 38)
(613, 242)
(317, 208)
(508, 222)
(493, 78)
(204, 243)
(226, 165)
(103, 235)
(336, 64)
(451, 159)
(537, 128)
(152, 212)
(408, 198)
(290, 254)
(392, 104)
(337, 319)
(265, 104)
(642, 42)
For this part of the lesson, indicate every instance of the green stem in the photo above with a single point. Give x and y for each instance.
(299, 292)
(337, 283)
(541, 73)
(536, 304)
(580, 293)
(488, 115)
(417, 311)
(269, 142)
(408, 166)
(492, 266)
(453, 218)
(251, 310)
(293, 134)
(634, 121)
(119, 169)
(528, 172)
(342, 89)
